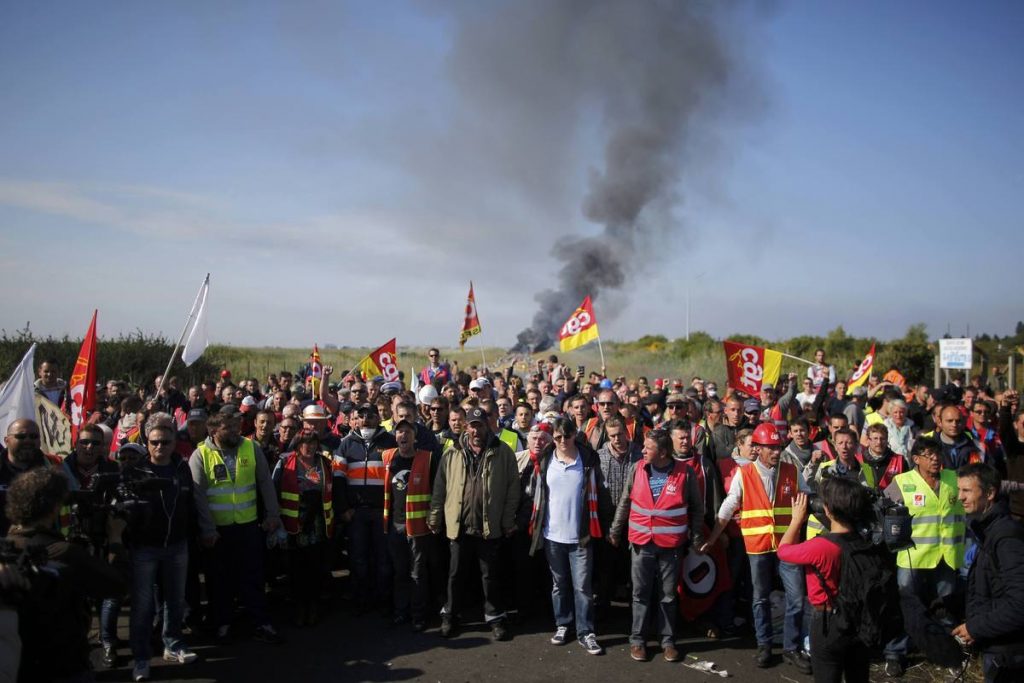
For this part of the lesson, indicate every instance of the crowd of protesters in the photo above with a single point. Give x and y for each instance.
(547, 486)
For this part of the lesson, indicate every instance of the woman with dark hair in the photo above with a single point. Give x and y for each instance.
(568, 497)
(304, 485)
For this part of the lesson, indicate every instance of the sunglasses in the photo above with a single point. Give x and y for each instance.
(22, 436)
(606, 403)
(89, 442)
(675, 406)
(559, 437)
(160, 442)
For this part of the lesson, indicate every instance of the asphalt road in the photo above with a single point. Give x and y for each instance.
(344, 647)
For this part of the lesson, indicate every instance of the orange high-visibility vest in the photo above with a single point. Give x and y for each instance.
(417, 495)
(761, 522)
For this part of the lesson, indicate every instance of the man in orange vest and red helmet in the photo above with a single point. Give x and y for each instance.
(763, 494)
(657, 503)
(408, 481)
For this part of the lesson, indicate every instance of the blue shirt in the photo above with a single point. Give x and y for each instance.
(658, 479)
(565, 500)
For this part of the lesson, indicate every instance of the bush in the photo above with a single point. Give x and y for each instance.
(134, 357)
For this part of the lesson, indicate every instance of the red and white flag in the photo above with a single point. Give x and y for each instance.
(471, 324)
(82, 392)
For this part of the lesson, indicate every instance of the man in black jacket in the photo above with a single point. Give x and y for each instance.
(160, 547)
(995, 584)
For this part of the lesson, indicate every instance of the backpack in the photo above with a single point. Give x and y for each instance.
(867, 604)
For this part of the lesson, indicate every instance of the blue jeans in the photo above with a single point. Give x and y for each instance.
(572, 567)
(168, 567)
(762, 570)
(928, 585)
(110, 609)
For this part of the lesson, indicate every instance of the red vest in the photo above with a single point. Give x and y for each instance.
(417, 494)
(289, 497)
(665, 522)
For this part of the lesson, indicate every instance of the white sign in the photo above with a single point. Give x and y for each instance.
(955, 354)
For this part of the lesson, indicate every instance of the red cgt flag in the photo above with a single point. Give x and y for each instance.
(750, 366)
(383, 362)
(471, 325)
(82, 394)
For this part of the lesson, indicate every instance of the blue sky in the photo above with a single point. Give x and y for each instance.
(343, 169)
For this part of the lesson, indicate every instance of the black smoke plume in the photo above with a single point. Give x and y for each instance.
(649, 69)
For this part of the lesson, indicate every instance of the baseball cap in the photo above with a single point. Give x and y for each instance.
(130, 449)
(659, 383)
(476, 415)
(248, 404)
(196, 415)
(368, 408)
(479, 383)
(346, 407)
(230, 409)
(390, 387)
(675, 397)
(751, 405)
(404, 423)
(767, 386)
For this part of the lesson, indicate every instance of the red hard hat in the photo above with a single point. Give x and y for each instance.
(765, 434)
(225, 374)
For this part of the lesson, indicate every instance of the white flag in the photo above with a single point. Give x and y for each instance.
(17, 395)
(198, 339)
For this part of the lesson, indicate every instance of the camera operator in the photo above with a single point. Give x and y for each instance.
(160, 546)
(54, 622)
(834, 655)
(995, 584)
(82, 466)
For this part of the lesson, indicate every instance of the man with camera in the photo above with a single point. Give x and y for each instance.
(55, 612)
(835, 655)
(995, 584)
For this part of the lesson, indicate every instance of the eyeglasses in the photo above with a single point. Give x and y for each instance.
(434, 409)
(89, 442)
(931, 455)
(606, 403)
(559, 437)
(160, 442)
(22, 436)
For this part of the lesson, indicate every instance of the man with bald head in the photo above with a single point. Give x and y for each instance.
(21, 453)
(609, 404)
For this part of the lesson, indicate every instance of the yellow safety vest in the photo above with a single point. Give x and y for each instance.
(510, 439)
(866, 478)
(937, 522)
(231, 502)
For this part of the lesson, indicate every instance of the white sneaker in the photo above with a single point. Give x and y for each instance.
(181, 655)
(560, 635)
(141, 671)
(589, 643)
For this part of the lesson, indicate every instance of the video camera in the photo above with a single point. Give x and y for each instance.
(888, 522)
(118, 494)
(30, 562)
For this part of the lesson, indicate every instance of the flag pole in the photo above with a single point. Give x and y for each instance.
(483, 361)
(184, 331)
(802, 360)
(601, 349)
